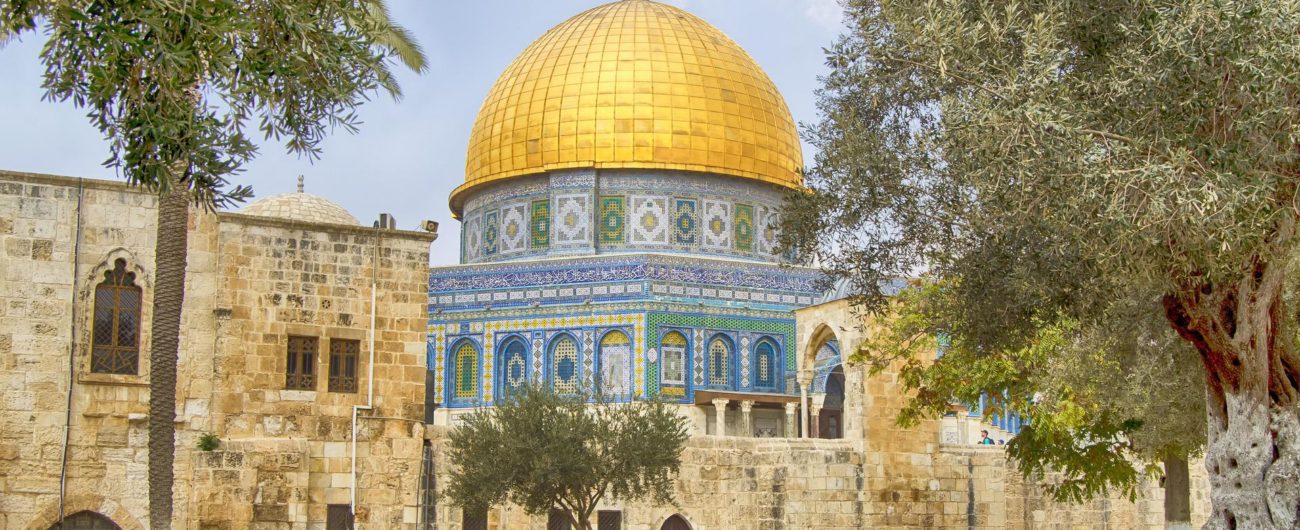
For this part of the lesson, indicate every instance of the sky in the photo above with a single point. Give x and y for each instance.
(410, 154)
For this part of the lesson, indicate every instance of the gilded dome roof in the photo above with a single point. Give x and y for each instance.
(633, 84)
(300, 206)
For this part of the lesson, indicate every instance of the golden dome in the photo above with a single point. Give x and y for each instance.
(633, 84)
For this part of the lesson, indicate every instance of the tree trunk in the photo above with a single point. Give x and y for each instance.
(169, 294)
(1252, 380)
(1178, 494)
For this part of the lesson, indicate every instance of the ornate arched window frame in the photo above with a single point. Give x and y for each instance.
(609, 339)
(553, 363)
(505, 356)
(774, 366)
(728, 368)
(87, 285)
(455, 391)
(685, 358)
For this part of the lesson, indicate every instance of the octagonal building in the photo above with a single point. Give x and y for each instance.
(622, 194)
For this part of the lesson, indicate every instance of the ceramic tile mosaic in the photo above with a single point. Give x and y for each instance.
(612, 220)
(540, 228)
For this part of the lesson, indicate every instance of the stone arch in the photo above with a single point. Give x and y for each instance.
(96, 504)
(676, 522)
(85, 310)
(807, 358)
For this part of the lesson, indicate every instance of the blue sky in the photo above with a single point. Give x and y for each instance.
(410, 154)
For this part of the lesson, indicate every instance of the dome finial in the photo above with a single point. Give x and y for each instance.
(300, 179)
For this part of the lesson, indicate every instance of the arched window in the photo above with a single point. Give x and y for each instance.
(86, 521)
(514, 366)
(719, 361)
(672, 349)
(765, 365)
(564, 365)
(465, 374)
(676, 522)
(115, 347)
(615, 364)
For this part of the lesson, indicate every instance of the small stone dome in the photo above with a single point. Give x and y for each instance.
(301, 206)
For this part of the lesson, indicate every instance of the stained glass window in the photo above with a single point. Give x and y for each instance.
(765, 359)
(673, 352)
(615, 364)
(564, 356)
(514, 366)
(719, 361)
(466, 374)
(115, 347)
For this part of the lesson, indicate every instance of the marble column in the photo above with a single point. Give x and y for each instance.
(815, 412)
(746, 419)
(720, 419)
(791, 420)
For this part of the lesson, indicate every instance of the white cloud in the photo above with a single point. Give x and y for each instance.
(825, 13)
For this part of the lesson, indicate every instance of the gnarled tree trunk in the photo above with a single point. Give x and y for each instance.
(1252, 380)
(169, 294)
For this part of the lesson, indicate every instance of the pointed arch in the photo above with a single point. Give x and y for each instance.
(721, 356)
(767, 364)
(614, 365)
(513, 365)
(676, 522)
(86, 520)
(565, 366)
(465, 362)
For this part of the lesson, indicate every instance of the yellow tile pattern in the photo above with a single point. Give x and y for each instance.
(633, 84)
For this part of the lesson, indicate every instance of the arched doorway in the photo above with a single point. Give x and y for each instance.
(830, 421)
(86, 521)
(676, 522)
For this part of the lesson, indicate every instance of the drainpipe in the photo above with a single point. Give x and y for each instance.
(72, 357)
(370, 366)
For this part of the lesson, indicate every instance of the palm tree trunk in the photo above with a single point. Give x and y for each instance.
(170, 250)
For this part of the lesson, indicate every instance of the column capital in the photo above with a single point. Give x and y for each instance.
(721, 402)
(746, 405)
(791, 407)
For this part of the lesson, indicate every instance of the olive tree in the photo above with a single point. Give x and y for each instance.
(543, 450)
(1050, 158)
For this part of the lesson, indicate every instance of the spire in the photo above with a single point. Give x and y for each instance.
(300, 179)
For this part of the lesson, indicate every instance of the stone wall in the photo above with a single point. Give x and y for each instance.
(252, 281)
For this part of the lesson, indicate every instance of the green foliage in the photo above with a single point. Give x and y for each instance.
(174, 86)
(1056, 168)
(208, 442)
(541, 450)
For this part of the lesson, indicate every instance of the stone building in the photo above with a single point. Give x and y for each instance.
(624, 183)
(301, 328)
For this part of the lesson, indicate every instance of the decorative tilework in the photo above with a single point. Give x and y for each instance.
(765, 355)
(612, 215)
(699, 357)
(686, 221)
(673, 348)
(572, 219)
(649, 220)
(514, 365)
(540, 233)
(538, 344)
(588, 347)
(490, 233)
(744, 361)
(716, 225)
(719, 361)
(514, 229)
(473, 237)
(466, 373)
(564, 369)
(437, 341)
(615, 364)
(769, 222)
(781, 331)
(744, 219)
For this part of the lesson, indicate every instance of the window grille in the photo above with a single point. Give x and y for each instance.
(558, 520)
(766, 361)
(514, 366)
(300, 373)
(719, 362)
(115, 332)
(565, 375)
(343, 365)
(473, 520)
(609, 520)
(615, 364)
(466, 371)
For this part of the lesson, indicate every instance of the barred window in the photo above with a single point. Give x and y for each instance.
(473, 519)
(300, 373)
(558, 519)
(338, 517)
(465, 372)
(115, 332)
(343, 365)
(514, 367)
(765, 359)
(564, 373)
(719, 361)
(609, 520)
